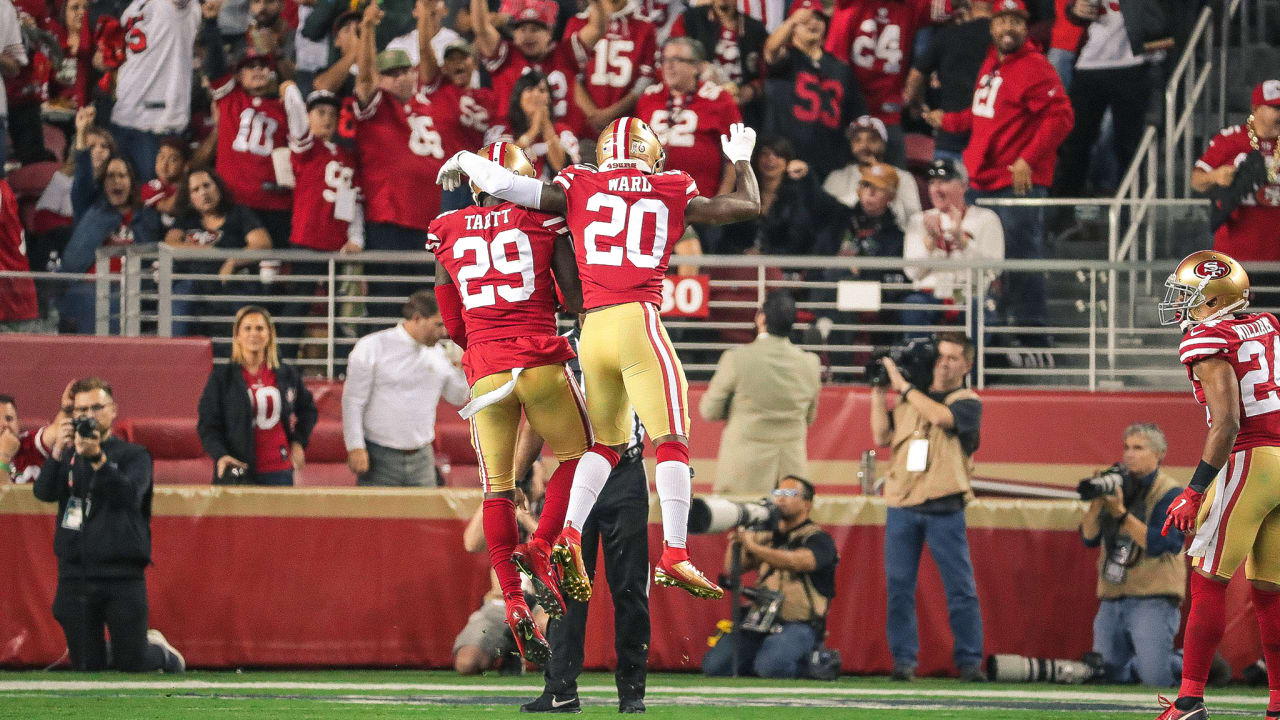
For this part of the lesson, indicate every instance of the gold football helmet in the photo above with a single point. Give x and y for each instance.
(630, 142)
(508, 155)
(1205, 286)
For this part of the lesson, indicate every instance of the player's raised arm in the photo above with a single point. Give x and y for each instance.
(744, 202)
(493, 178)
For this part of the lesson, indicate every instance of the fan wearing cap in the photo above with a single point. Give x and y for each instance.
(868, 140)
(950, 230)
(875, 37)
(1249, 233)
(1019, 117)
(953, 57)
(810, 94)
(530, 48)
(328, 211)
(614, 45)
(251, 124)
(873, 231)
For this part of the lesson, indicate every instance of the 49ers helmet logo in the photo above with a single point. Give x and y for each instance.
(1213, 269)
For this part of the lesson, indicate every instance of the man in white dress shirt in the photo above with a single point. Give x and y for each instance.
(395, 379)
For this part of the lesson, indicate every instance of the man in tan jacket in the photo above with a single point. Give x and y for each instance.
(768, 391)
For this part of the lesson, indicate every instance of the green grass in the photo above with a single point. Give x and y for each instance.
(417, 694)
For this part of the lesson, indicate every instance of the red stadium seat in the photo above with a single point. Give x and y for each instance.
(919, 150)
(29, 181)
(55, 141)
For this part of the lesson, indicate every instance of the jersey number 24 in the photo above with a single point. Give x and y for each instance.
(1260, 379)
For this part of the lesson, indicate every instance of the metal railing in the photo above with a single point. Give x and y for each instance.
(1191, 74)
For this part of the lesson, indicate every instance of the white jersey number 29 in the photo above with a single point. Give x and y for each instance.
(487, 255)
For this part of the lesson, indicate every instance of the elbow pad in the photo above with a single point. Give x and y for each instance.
(451, 313)
(500, 182)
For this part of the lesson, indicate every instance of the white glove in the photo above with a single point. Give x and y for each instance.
(450, 175)
(741, 141)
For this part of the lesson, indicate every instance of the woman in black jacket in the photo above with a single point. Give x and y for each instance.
(255, 415)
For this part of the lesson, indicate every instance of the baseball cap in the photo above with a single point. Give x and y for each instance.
(1015, 7)
(458, 45)
(393, 60)
(881, 175)
(1267, 93)
(253, 54)
(943, 169)
(323, 97)
(866, 122)
(814, 5)
(538, 12)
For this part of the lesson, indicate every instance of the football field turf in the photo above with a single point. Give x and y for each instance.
(340, 694)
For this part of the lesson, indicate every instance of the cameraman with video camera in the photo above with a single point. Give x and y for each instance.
(933, 432)
(794, 586)
(1141, 573)
(102, 485)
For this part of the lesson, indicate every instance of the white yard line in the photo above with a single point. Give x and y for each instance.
(1030, 694)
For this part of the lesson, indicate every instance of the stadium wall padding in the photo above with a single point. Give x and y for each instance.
(261, 577)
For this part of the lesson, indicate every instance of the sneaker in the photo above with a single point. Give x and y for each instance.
(972, 673)
(675, 569)
(567, 553)
(532, 645)
(534, 559)
(173, 660)
(1195, 711)
(631, 705)
(549, 702)
(904, 673)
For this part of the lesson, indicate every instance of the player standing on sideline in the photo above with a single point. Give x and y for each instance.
(502, 310)
(1230, 356)
(625, 217)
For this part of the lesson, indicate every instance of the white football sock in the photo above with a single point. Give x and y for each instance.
(588, 479)
(674, 488)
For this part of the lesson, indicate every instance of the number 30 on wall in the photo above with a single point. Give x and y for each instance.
(685, 296)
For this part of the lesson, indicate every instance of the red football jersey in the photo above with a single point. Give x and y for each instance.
(500, 259)
(874, 36)
(249, 128)
(320, 171)
(17, 295)
(1250, 232)
(1251, 343)
(611, 67)
(690, 128)
(508, 64)
(462, 115)
(625, 224)
(399, 187)
(270, 444)
(31, 455)
(156, 191)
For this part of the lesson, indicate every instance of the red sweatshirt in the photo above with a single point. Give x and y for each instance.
(1019, 111)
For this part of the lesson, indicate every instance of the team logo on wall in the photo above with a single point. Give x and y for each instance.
(1213, 269)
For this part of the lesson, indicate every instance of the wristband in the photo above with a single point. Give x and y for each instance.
(1205, 473)
(7, 467)
(904, 393)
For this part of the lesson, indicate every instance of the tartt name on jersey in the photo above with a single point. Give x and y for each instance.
(634, 183)
(1258, 327)
(488, 220)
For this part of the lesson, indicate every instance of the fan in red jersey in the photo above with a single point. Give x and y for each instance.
(22, 452)
(625, 216)
(530, 49)
(329, 215)
(498, 300)
(550, 144)
(1233, 501)
(614, 46)
(17, 295)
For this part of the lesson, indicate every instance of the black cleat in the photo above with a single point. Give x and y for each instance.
(548, 702)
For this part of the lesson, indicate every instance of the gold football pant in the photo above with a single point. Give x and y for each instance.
(550, 399)
(1239, 520)
(628, 360)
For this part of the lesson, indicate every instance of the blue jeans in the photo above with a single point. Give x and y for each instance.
(905, 533)
(1023, 301)
(1064, 61)
(140, 147)
(278, 478)
(782, 654)
(1135, 638)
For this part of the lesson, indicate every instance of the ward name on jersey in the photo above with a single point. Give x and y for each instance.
(1251, 343)
(625, 224)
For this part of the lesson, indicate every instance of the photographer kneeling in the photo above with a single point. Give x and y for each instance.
(796, 581)
(1141, 573)
(102, 485)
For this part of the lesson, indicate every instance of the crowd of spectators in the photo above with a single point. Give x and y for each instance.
(320, 125)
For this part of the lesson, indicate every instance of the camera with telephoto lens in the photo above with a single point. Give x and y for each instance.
(1016, 668)
(914, 359)
(716, 515)
(1102, 484)
(85, 427)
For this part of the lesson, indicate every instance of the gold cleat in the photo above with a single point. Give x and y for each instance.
(567, 553)
(685, 576)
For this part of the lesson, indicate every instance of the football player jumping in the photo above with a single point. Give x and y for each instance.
(1233, 361)
(626, 216)
(498, 302)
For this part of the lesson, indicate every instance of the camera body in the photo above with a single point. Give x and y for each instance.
(85, 427)
(1102, 484)
(914, 359)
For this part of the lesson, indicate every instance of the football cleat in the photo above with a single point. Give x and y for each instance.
(675, 569)
(630, 142)
(529, 639)
(1171, 711)
(1205, 286)
(567, 553)
(534, 559)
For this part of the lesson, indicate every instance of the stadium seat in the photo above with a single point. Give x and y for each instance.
(55, 141)
(29, 181)
(919, 150)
